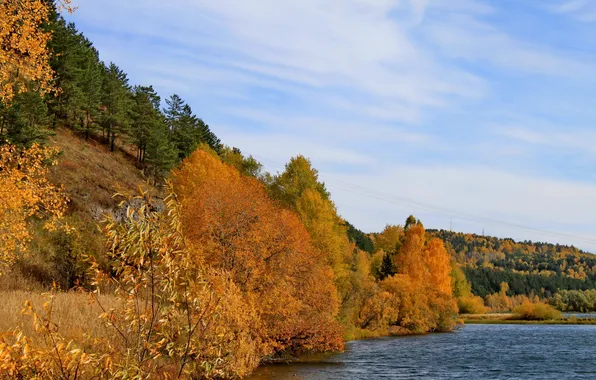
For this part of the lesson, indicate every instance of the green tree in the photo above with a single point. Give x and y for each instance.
(146, 118)
(117, 104)
(150, 132)
(387, 267)
(90, 83)
(298, 176)
(26, 121)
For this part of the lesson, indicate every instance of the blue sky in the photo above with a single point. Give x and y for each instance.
(474, 113)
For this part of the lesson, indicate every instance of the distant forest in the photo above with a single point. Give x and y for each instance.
(528, 267)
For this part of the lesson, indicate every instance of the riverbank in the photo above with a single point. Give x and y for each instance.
(510, 319)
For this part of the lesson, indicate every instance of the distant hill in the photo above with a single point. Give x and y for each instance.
(527, 266)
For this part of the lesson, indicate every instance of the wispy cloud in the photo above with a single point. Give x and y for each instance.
(583, 10)
(578, 141)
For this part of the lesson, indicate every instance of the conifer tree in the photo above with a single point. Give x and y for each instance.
(117, 104)
(150, 132)
(25, 121)
(146, 116)
(387, 267)
(90, 81)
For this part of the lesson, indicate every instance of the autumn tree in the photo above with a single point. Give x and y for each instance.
(24, 57)
(264, 249)
(25, 191)
(390, 239)
(422, 287)
(298, 176)
(245, 165)
(23, 54)
(170, 315)
(411, 259)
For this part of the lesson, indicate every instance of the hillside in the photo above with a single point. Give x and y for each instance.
(90, 175)
(541, 268)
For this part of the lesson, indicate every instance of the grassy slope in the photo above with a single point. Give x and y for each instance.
(91, 175)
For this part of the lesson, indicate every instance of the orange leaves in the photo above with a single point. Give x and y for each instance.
(25, 191)
(439, 267)
(411, 257)
(264, 248)
(421, 291)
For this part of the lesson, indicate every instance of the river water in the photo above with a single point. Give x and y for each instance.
(472, 352)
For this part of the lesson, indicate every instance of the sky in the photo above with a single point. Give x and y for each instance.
(472, 115)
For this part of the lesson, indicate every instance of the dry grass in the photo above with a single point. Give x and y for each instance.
(92, 174)
(72, 312)
(487, 317)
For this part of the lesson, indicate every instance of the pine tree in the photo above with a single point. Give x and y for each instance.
(25, 121)
(146, 116)
(116, 103)
(160, 152)
(387, 267)
(150, 132)
(182, 125)
(90, 81)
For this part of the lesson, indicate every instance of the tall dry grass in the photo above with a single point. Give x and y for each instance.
(73, 312)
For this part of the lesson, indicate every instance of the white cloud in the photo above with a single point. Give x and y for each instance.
(462, 36)
(579, 141)
(583, 10)
(277, 148)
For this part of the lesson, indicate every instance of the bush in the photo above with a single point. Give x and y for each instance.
(471, 305)
(536, 312)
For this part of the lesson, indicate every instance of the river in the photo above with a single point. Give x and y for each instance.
(472, 352)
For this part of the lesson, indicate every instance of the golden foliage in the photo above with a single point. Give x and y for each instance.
(422, 289)
(265, 250)
(321, 221)
(439, 267)
(471, 304)
(25, 191)
(535, 311)
(389, 240)
(500, 302)
(55, 357)
(171, 317)
(24, 56)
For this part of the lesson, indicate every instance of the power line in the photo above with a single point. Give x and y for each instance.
(411, 203)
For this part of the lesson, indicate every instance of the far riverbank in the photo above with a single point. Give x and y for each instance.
(509, 318)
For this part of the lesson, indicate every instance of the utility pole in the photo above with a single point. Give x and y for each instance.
(451, 224)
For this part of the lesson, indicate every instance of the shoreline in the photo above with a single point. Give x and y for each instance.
(509, 319)
(524, 322)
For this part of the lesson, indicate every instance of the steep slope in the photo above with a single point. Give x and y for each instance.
(91, 175)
